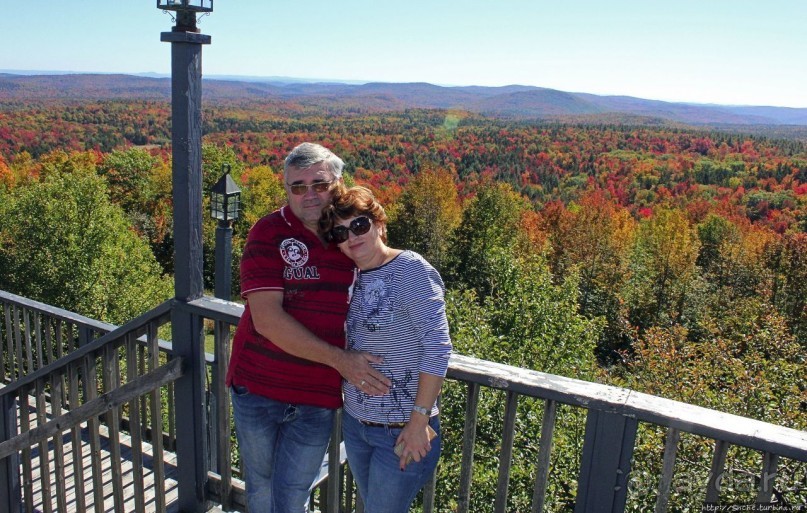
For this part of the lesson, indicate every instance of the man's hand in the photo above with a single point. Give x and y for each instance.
(288, 334)
(355, 367)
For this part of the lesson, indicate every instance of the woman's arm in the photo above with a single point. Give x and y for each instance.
(415, 439)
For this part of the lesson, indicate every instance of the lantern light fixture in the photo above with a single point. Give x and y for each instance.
(225, 197)
(186, 5)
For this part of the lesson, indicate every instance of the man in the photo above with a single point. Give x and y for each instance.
(288, 359)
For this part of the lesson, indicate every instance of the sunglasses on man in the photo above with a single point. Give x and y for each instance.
(298, 189)
(358, 226)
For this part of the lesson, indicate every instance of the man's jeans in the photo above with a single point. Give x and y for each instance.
(376, 469)
(282, 446)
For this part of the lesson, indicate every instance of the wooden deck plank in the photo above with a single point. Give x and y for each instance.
(153, 495)
(127, 472)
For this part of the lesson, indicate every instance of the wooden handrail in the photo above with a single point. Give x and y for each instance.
(737, 430)
(101, 404)
(138, 324)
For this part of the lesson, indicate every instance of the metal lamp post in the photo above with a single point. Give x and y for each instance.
(186, 328)
(225, 204)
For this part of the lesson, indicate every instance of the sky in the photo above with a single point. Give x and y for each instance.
(731, 52)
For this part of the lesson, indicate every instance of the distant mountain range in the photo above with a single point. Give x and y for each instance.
(515, 101)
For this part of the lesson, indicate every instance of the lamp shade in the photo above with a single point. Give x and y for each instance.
(225, 198)
(186, 5)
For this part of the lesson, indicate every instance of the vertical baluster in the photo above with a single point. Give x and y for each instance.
(18, 367)
(142, 351)
(56, 394)
(544, 453)
(349, 490)
(94, 427)
(47, 349)
(59, 340)
(29, 351)
(7, 356)
(429, 493)
(665, 483)
(77, 440)
(29, 341)
(156, 422)
(505, 457)
(27, 470)
(44, 451)
(111, 376)
(37, 335)
(222, 355)
(55, 342)
(770, 462)
(172, 424)
(85, 336)
(10, 498)
(716, 473)
(431, 485)
(136, 437)
(468, 441)
(334, 460)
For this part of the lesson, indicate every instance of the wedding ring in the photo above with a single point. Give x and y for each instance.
(362, 383)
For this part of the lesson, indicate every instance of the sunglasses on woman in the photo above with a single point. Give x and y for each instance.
(358, 226)
(298, 189)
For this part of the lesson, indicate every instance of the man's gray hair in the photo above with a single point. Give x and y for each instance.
(308, 154)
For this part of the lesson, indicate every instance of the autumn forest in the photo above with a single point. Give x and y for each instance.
(666, 258)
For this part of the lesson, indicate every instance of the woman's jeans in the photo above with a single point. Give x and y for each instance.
(282, 447)
(384, 488)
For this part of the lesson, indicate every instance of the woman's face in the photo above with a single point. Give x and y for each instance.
(363, 243)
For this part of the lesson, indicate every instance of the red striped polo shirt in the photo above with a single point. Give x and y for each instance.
(281, 254)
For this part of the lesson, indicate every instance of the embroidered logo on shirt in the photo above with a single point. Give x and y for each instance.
(377, 304)
(294, 252)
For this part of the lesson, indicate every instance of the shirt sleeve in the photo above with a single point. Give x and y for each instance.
(427, 310)
(261, 264)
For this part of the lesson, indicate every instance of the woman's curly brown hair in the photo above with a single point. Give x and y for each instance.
(353, 202)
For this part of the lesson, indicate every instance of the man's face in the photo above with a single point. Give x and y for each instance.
(308, 206)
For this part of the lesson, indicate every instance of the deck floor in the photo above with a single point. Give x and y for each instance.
(38, 484)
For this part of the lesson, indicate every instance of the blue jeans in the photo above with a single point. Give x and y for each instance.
(384, 488)
(282, 447)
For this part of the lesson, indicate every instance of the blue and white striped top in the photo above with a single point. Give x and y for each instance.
(397, 311)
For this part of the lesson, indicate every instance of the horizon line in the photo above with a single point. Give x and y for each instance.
(301, 80)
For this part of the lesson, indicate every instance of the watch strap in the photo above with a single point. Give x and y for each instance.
(423, 411)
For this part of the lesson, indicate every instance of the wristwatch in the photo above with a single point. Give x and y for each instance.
(423, 411)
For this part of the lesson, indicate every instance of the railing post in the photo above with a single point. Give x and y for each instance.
(219, 414)
(468, 440)
(10, 493)
(506, 453)
(186, 328)
(769, 463)
(189, 397)
(334, 484)
(716, 474)
(665, 483)
(544, 454)
(605, 465)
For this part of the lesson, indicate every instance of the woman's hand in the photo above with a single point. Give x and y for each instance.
(414, 440)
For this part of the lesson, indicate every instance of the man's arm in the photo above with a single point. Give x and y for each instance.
(274, 323)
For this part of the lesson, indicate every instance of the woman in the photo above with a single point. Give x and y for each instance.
(397, 311)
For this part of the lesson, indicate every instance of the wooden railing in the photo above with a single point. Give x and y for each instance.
(613, 417)
(90, 393)
(114, 386)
